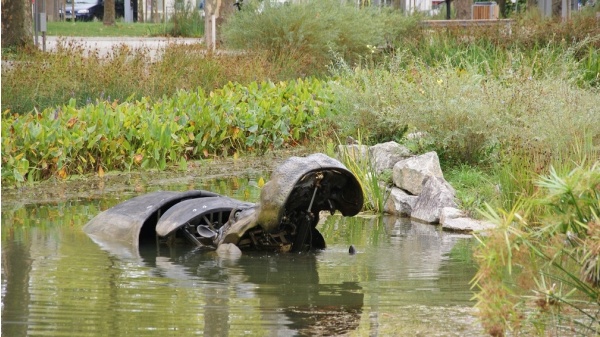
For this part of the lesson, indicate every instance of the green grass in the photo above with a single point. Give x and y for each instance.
(124, 74)
(307, 35)
(186, 22)
(97, 28)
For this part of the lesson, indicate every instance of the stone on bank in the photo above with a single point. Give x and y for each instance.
(419, 189)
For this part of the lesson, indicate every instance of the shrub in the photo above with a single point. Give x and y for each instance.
(157, 133)
(469, 118)
(187, 20)
(44, 80)
(306, 35)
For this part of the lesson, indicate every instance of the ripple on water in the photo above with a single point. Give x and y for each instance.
(404, 280)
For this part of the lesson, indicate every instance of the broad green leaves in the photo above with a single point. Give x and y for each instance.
(157, 133)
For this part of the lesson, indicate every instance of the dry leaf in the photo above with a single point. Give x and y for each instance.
(71, 122)
(62, 173)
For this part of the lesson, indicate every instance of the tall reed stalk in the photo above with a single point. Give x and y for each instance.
(357, 159)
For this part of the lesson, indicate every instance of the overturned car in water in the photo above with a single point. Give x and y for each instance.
(284, 220)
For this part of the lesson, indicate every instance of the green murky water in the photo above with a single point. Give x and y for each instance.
(407, 279)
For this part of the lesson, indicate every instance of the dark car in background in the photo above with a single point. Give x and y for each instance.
(87, 10)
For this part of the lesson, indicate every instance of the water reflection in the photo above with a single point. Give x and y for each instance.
(406, 278)
(290, 294)
(16, 265)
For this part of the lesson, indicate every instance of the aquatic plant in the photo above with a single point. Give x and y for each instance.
(159, 133)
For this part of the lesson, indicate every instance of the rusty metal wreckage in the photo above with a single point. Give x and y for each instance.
(284, 220)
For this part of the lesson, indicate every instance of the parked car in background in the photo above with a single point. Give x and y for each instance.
(84, 10)
(87, 10)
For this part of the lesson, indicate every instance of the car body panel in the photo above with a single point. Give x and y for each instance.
(198, 210)
(125, 222)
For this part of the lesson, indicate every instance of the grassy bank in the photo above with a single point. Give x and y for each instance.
(185, 22)
(97, 28)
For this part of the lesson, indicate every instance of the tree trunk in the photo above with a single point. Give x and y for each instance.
(16, 265)
(154, 14)
(502, 8)
(463, 9)
(141, 14)
(556, 8)
(17, 23)
(109, 13)
(220, 9)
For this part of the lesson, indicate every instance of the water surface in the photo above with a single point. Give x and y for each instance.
(406, 279)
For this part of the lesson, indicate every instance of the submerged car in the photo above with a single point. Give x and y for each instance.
(284, 220)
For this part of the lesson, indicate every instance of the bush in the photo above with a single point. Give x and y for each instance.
(44, 80)
(187, 20)
(542, 44)
(306, 36)
(156, 133)
(471, 118)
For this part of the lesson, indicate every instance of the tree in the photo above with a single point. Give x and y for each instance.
(448, 9)
(17, 23)
(221, 9)
(154, 9)
(109, 13)
(463, 9)
(502, 7)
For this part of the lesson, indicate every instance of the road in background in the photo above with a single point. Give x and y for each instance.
(104, 45)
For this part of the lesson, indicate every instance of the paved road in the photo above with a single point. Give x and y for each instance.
(105, 45)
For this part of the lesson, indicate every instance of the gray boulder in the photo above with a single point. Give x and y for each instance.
(449, 213)
(399, 202)
(435, 195)
(453, 219)
(410, 174)
(385, 155)
(355, 152)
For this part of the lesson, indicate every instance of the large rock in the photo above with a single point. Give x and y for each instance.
(453, 219)
(399, 202)
(355, 152)
(385, 155)
(410, 174)
(449, 213)
(435, 195)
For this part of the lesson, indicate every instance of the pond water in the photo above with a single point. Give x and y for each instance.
(406, 279)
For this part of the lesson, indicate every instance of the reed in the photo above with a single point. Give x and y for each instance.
(547, 246)
(359, 162)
